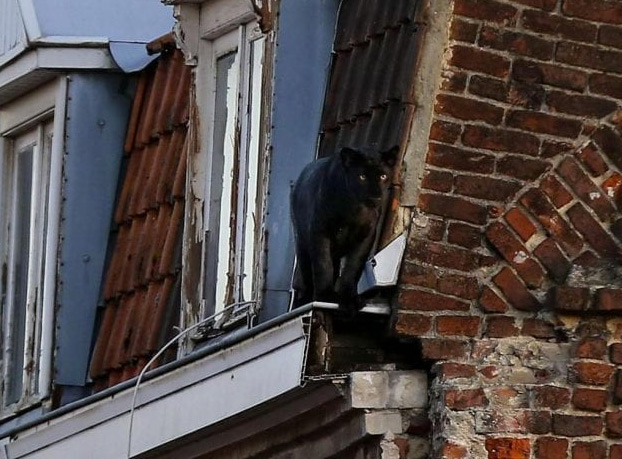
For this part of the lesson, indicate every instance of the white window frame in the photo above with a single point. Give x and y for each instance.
(248, 140)
(37, 138)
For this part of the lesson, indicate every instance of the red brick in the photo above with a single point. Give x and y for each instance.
(557, 192)
(515, 253)
(463, 31)
(540, 207)
(437, 180)
(592, 231)
(551, 397)
(486, 188)
(516, 43)
(538, 328)
(461, 286)
(500, 140)
(590, 399)
(613, 421)
(538, 422)
(589, 450)
(608, 299)
(558, 26)
(591, 159)
(617, 388)
(544, 123)
(508, 448)
(615, 452)
(435, 229)
(459, 159)
(489, 88)
(478, 60)
(579, 105)
(500, 327)
(576, 426)
(590, 348)
(453, 207)
(515, 291)
(502, 422)
(550, 255)
(610, 35)
(521, 168)
(590, 57)
(412, 324)
(460, 400)
(445, 132)
(615, 353)
(520, 223)
(457, 325)
(571, 299)
(583, 186)
(465, 235)
(612, 187)
(418, 300)
(594, 10)
(610, 144)
(549, 74)
(453, 451)
(454, 81)
(491, 302)
(441, 255)
(608, 85)
(414, 274)
(443, 349)
(592, 373)
(468, 109)
(547, 5)
(551, 448)
(488, 10)
(450, 370)
(551, 149)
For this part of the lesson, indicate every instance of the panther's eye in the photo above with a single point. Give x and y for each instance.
(362, 177)
(383, 177)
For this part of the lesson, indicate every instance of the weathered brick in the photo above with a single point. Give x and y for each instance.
(551, 149)
(615, 353)
(526, 95)
(551, 397)
(608, 85)
(610, 36)
(504, 448)
(589, 347)
(544, 123)
(580, 105)
(516, 43)
(491, 302)
(435, 229)
(576, 426)
(443, 349)
(617, 388)
(479, 60)
(437, 180)
(450, 370)
(454, 81)
(462, 30)
(538, 328)
(488, 10)
(538, 422)
(549, 74)
(592, 373)
(412, 324)
(557, 192)
(441, 255)
(419, 300)
(547, 5)
(552, 258)
(592, 231)
(540, 207)
(515, 291)
(551, 448)
(589, 450)
(457, 325)
(500, 327)
(454, 451)
(464, 399)
(453, 207)
(444, 131)
(612, 187)
(464, 235)
(610, 144)
(520, 223)
(592, 195)
(500, 140)
(590, 57)
(457, 285)
(594, 10)
(608, 299)
(590, 399)
(571, 299)
(521, 168)
(468, 109)
(592, 160)
(615, 452)
(558, 26)
(459, 159)
(489, 88)
(417, 275)
(613, 422)
(515, 253)
(487, 188)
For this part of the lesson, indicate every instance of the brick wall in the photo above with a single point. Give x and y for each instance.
(513, 278)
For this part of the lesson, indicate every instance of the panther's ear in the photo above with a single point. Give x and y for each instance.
(349, 157)
(389, 157)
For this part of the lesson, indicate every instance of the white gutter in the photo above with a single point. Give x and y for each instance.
(51, 247)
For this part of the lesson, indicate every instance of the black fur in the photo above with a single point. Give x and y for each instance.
(336, 204)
